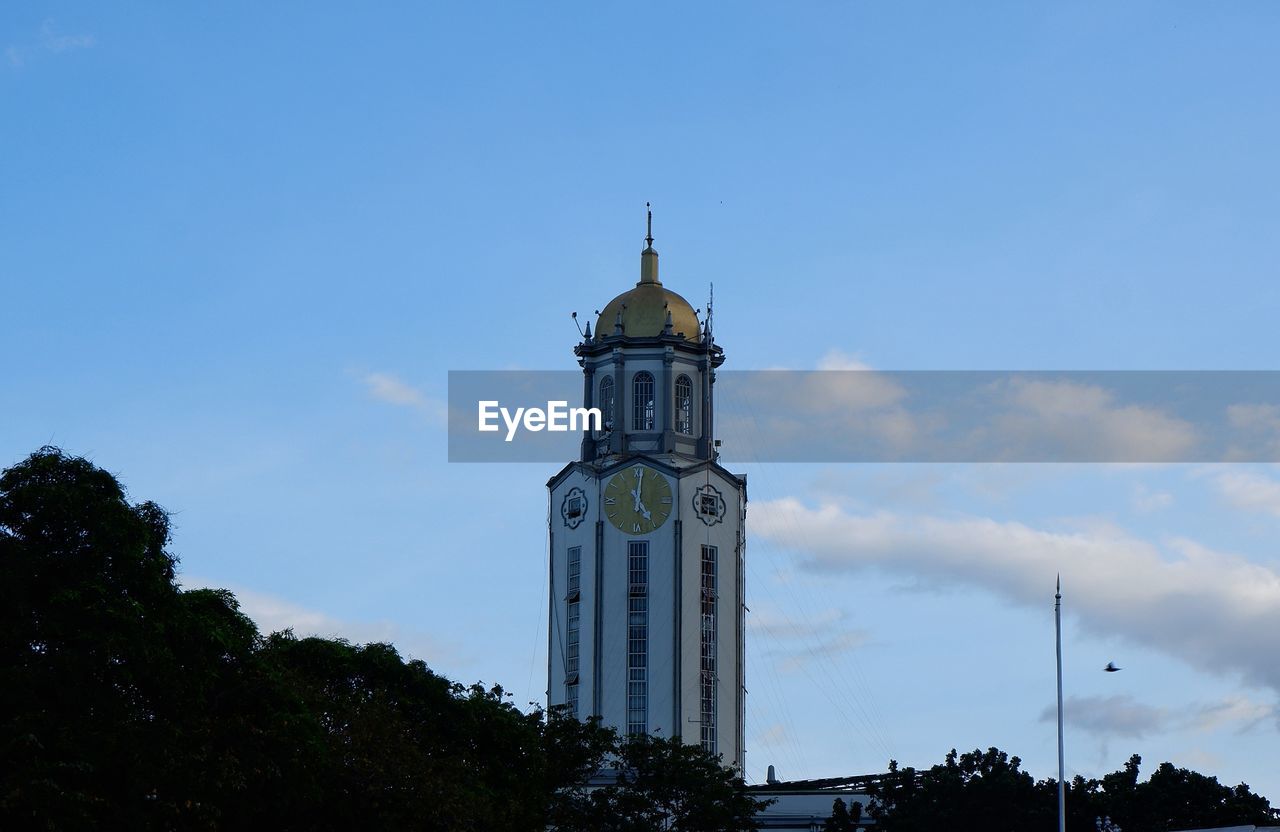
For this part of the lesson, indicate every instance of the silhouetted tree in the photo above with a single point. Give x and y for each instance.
(978, 790)
(843, 818)
(127, 703)
(1173, 798)
(988, 791)
(665, 784)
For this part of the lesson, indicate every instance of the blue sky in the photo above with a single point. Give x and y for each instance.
(240, 248)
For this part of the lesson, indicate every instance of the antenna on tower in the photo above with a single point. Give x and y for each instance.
(711, 300)
(648, 238)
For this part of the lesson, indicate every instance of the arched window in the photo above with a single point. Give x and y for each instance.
(684, 405)
(642, 415)
(606, 402)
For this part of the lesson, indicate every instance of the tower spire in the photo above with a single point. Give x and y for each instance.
(649, 257)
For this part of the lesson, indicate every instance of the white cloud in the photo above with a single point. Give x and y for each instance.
(840, 360)
(49, 39)
(1124, 716)
(1257, 432)
(386, 387)
(1215, 610)
(844, 403)
(272, 614)
(1146, 501)
(1265, 417)
(1085, 422)
(845, 384)
(778, 625)
(1241, 711)
(1198, 759)
(847, 410)
(1110, 716)
(1249, 491)
(815, 638)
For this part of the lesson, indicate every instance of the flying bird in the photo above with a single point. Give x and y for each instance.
(1111, 667)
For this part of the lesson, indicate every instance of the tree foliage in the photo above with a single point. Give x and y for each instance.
(127, 702)
(1172, 798)
(988, 791)
(649, 790)
(843, 818)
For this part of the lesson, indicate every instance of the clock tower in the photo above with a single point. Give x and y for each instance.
(646, 533)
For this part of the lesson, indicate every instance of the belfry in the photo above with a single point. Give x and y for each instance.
(646, 533)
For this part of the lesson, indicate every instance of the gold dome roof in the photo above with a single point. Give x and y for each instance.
(644, 309)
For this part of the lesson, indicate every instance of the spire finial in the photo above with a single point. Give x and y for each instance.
(649, 257)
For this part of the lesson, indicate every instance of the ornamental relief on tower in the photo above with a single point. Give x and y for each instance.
(573, 508)
(709, 504)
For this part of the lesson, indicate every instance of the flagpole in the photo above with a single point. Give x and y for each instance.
(1057, 622)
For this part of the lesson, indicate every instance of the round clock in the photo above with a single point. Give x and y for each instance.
(637, 500)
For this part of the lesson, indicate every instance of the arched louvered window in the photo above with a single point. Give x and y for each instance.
(684, 405)
(606, 401)
(642, 412)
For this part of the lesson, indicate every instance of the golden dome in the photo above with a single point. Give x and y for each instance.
(644, 309)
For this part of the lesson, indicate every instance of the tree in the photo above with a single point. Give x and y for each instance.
(82, 575)
(126, 702)
(978, 790)
(843, 818)
(661, 784)
(1173, 798)
(988, 791)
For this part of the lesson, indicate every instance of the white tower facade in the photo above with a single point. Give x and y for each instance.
(647, 534)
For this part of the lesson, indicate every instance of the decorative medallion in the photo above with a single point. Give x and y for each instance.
(573, 508)
(709, 504)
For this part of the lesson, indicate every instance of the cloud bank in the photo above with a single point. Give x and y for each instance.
(1215, 610)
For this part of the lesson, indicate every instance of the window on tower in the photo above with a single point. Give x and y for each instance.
(707, 686)
(642, 416)
(638, 637)
(684, 405)
(606, 401)
(572, 619)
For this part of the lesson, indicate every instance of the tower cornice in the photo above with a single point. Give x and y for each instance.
(604, 346)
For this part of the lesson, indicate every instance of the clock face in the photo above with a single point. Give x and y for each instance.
(637, 500)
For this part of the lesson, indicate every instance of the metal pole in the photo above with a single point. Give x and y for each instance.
(1057, 622)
